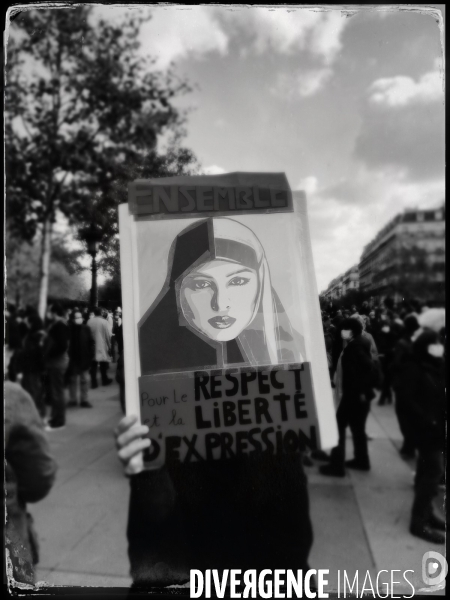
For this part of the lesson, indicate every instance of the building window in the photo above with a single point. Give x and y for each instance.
(420, 216)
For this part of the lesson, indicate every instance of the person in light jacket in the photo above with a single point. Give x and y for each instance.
(102, 337)
(29, 475)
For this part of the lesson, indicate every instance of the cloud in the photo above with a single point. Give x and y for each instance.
(346, 215)
(213, 170)
(304, 83)
(401, 90)
(403, 126)
(308, 184)
(309, 82)
(179, 32)
(288, 30)
(346, 192)
(338, 234)
(175, 33)
(391, 189)
(326, 36)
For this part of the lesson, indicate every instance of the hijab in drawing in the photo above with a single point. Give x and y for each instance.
(217, 307)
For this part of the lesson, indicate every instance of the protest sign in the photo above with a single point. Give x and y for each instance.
(223, 340)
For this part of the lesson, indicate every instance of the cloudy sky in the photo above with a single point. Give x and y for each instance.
(348, 103)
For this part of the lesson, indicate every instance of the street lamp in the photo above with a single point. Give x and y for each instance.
(93, 236)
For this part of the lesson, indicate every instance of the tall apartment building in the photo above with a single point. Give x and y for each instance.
(339, 286)
(407, 257)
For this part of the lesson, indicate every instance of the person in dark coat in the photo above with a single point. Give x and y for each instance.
(18, 330)
(423, 383)
(56, 362)
(354, 407)
(402, 355)
(233, 513)
(29, 475)
(386, 337)
(32, 361)
(332, 345)
(117, 322)
(81, 355)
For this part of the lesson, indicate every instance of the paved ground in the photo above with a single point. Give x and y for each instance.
(360, 522)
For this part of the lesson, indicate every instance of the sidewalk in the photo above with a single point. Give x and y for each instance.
(360, 522)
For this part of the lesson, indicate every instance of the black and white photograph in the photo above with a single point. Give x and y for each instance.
(224, 300)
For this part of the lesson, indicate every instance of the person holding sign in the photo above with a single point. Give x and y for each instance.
(221, 387)
(218, 307)
(245, 513)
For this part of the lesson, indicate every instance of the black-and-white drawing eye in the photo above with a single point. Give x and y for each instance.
(218, 307)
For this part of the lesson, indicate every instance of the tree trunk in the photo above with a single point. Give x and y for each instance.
(44, 270)
(94, 289)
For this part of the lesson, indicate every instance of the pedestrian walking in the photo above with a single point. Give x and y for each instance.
(109, 319)
(386, 339)
(32, 364)
(402, 356)
(81, 356)
(423, 383)
(357, 372)
(88, 313)
(56, 363)
(102, 339)
(117, 323)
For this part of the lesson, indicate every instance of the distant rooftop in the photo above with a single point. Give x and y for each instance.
(407, 216)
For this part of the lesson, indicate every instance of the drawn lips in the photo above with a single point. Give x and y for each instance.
(221, 322)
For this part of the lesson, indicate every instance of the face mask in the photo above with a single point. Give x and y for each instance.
(79, 321)
(385, 329)
(346, 334)
(436, 350)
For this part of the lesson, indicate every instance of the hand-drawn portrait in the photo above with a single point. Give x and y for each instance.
(217, 307)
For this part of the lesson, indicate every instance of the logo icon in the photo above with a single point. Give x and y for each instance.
(434, 568)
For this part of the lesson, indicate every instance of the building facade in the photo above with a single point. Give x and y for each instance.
(407, 257)
(341, 285)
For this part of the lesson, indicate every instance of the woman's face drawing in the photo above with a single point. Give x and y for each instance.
(218, 298)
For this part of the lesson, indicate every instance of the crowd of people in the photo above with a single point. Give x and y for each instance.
(65, 352)
(46, 362)
(399, 351)
(389, 354)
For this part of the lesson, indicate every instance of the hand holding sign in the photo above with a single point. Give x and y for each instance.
(131, 444)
